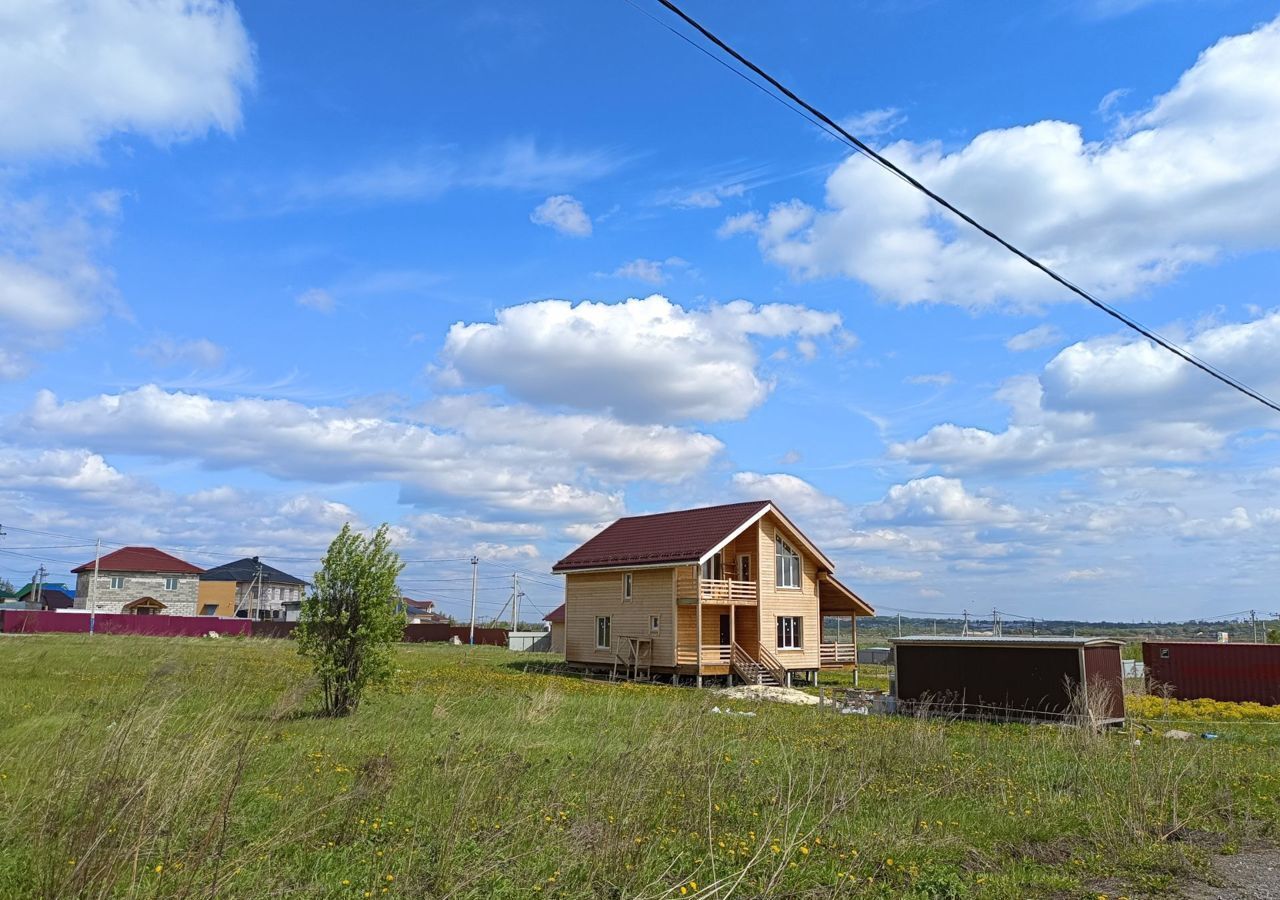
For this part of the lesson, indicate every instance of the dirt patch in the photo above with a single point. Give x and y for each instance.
(1248, 875)
(766, 692)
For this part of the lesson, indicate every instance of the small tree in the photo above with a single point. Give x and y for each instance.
(349, 623)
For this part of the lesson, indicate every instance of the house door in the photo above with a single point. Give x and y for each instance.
(724, 629)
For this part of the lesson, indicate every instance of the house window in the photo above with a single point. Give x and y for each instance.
(209, 609)
(626, 585)
(790, 633)
(171, 582)
(786, 569)
(653, 624)
(602, 633)
(117, 582)
(713, 568)
(744, 567)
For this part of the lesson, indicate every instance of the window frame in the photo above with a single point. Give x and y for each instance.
(784, 555)
(628, 587)
(116, 582)
(655, 625)
(795, 625)
(605, 627)
(171, 580)
(740, 574)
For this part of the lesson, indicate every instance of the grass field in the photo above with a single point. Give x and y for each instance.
(143, 767)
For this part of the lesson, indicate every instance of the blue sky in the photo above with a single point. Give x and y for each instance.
(499, 274)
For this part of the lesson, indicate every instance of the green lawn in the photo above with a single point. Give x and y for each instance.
(146, 767)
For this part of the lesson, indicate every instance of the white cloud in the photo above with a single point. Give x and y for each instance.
(937, 379)
(49, 281)
(72, 471)
(874, 122)
(318, 299)
(644, 360)
(937, 500)
(1034, 338)
(502, 457)
(75, 72)
(1092, 574)
(13, 366)
(1197, 173)
(199, 352)
(704, 198)
(861, 572)
(564, 214)
(1118, 402)
(653, 271)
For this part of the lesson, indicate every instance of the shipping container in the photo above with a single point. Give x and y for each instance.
(1239, 673)
(1009, 677)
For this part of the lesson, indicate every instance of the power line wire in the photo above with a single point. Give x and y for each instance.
(832, 127)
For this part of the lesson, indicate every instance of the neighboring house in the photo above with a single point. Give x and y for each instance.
(556, 618)
(734, 590)
(27, 592)
(141, 581)
(55, 598)
(249, 588)
(422, 612)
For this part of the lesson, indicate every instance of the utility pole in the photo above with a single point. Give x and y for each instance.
(515, 602)
(935, 626)
(1253, 618)
(93, 585)
(995, 623)
(38, 584)
(899, 624)
(475, 561)
(966, 623)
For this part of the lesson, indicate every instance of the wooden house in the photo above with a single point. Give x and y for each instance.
(728, 591)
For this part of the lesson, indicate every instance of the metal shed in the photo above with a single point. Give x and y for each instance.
(1231, 672)
(1008, 677)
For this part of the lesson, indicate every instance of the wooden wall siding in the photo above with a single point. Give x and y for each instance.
(747, 628)
(686, 582)
(775, 601)
(748, 543)
(591, 594)
(687, 626)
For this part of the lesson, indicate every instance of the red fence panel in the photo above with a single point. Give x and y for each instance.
(17, 621)
(1231, 672)
(423, 633)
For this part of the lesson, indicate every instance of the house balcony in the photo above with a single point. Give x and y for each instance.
(728, 591)
(838, 655)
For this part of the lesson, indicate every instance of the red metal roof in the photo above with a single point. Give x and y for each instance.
(556, 615)
(670, 537)
(141, 559)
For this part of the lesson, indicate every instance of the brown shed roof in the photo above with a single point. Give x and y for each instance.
(141, 559)
(683, 536)
(556, 615)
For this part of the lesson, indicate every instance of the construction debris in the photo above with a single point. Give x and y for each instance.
(771, 693)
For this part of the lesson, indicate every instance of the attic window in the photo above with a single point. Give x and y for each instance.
(626, 585)
(786, 565)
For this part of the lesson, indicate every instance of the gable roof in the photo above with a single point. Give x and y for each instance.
(556, 615)
(247, 570)
(683, 536)
(141, 559)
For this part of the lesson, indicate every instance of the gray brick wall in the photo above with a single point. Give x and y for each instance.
(179, 602)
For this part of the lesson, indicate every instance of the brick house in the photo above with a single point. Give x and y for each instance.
(141, 581)
(249, 588)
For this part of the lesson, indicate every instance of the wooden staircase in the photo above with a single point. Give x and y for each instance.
(750, 671)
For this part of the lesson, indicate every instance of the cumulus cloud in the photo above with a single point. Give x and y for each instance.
(564, 214)
(75, 73)
(1196, 173)
(936, 500)
(643, 360)
(510, 458)
(198, 352)
(1118, 402)
(1034, 338)
(66, 471)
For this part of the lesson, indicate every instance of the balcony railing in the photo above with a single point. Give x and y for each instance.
(838, 654)
(712, 655)
(726, 590)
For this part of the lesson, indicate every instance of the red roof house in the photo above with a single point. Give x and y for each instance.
(140, 559)
(139, 581)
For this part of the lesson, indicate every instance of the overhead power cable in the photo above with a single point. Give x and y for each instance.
(829, 125)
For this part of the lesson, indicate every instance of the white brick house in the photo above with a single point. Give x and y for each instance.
(139, 580)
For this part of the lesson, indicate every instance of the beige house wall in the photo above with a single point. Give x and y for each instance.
(776, 601)
(591, 594)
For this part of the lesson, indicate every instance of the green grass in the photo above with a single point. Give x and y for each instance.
(142, 767)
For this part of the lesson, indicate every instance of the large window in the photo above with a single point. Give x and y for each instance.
(117, 582)
(602, 633)
(171, 582)
(790, 632)
(786, 568)
(626, 585)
